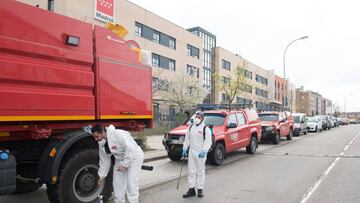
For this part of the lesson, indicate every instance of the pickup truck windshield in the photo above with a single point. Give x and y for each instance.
(268, 117)
(215, 119)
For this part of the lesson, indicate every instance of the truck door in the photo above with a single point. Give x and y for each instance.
(283, 127)
(243, 132)
(232, 132)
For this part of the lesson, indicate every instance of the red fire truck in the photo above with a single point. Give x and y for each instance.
(57, 75)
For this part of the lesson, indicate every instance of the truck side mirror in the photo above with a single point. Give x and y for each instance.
(232, 125)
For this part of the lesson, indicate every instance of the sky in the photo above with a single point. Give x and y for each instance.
(328, 62)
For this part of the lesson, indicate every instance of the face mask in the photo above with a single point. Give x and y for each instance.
(102, 142)
(197, 121)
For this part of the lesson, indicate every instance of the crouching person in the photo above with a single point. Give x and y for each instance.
(128, 160)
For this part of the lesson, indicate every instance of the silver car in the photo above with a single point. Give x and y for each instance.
(314, 124)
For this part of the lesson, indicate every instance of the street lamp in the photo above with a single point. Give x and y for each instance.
(301, 38)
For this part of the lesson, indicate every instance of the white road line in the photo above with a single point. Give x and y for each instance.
(312, 189)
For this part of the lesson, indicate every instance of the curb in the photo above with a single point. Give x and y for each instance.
(155, 158)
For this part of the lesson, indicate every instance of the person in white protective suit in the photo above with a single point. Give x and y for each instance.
(128, 160)
(196, 148)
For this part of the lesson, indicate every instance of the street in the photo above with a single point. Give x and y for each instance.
(318, 167)
(314, 168)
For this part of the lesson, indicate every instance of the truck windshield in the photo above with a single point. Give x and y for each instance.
(215, 119)
(296, 119)
(268, 117)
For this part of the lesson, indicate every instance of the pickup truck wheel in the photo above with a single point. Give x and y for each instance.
(174, 156)
(78, 178)
(217, 155)
(290, 135)
(276, 139)
(251, 149)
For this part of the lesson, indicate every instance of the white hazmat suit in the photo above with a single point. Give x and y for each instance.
(194, 140)
(128, 154)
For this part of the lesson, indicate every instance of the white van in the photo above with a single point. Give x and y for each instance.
(300, 123)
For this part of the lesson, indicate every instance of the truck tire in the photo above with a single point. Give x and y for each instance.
(251, 148)
(173, 156)
(77, 182)
(217, 155)
(276, 139)
(290, 135)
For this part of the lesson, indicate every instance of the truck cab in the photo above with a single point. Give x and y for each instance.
(276, 125)
(232, 130)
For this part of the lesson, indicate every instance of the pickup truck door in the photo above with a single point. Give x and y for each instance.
(232, 134)
(244, 131)
(282, 124)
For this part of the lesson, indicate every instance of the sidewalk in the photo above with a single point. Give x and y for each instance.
(156, 149)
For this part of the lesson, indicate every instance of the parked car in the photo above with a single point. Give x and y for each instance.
(336, 122)
(314, 124)
(300, 123)
(232, 130)
(276, 125)
(326, 125)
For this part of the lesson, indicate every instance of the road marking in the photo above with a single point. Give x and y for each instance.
(312, 189)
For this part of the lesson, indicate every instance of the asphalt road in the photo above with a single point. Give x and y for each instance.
(318, 167)
(321, 167)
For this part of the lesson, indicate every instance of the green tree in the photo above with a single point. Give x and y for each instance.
(233, 84)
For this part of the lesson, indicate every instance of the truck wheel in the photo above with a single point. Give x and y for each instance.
(174, 156)
(217, 155)
(78, 178)
(251, 149)
(276, 139)
(290, 135)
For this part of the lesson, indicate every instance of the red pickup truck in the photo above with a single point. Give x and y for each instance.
(276, 125)
(233, 130)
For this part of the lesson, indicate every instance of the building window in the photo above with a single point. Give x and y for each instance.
(155, 60)
(192, 51)
(172, 43)
(138, 29)
(226, 65)
(171, 64)
(226, 80)
(191, 70)
(156, 37)
(248, 74)
(225, 98)
(261, 93)
(51, 5)
(247, 88)
(261, 79)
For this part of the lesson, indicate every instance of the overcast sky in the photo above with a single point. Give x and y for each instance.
(259, 30)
